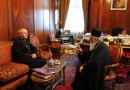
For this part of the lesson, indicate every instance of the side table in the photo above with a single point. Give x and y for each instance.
(53, 80)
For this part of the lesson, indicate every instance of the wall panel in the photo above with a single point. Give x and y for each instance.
(3, 21)
(22, 15)
(39, 19)
(107, 18)
(44, 19)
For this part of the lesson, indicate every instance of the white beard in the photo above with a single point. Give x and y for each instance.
(92, 46)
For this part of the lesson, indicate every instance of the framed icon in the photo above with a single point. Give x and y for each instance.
(118, 4)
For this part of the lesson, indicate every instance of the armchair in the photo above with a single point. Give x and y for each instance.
(41, 47)
(115, 54)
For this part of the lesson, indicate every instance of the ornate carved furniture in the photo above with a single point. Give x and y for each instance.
(115, 54)
(41, 47)
(52, 80)
(12, 74)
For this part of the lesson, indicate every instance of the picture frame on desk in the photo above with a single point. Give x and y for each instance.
(118, 5)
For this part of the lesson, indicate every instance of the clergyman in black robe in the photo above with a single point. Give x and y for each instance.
(91, 70)
(24, 52)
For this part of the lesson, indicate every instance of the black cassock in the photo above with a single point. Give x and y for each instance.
(92, 75)
(22, 50)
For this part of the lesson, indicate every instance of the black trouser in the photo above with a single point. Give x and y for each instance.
(33, 63)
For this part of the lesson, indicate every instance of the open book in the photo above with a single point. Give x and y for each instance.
(44, 71)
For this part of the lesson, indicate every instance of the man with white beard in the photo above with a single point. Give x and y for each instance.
(90, 71)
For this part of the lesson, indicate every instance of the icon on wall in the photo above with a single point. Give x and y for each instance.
(118, 4)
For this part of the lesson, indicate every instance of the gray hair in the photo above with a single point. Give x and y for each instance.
(21, 30)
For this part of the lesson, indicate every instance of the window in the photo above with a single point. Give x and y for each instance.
(75, 20)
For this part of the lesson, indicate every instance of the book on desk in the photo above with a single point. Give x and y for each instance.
(44, 73)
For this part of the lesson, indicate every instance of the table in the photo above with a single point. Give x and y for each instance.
(52, 80)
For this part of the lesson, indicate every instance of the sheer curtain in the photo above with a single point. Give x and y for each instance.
(75, 19)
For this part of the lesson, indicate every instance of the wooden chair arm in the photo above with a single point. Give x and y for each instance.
(112, 66)
(44, 47)
(125, 65)
(41, 45)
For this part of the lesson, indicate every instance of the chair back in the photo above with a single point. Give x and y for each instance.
(115, 53)
(116, 31)
(34, 41)
(52, 36)
(55, 43)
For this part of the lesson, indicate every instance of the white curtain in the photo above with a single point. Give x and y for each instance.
(75, 20)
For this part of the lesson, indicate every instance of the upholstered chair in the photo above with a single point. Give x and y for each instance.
(41, 47)
(115, 54)
(125, 60)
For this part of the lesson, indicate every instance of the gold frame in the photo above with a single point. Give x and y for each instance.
(118, 4)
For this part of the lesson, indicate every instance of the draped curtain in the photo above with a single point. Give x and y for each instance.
(85, 13)
(63, 10)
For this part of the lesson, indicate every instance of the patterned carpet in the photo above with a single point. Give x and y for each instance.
(72, 62)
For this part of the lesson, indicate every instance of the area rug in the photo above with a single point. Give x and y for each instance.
(72, 62)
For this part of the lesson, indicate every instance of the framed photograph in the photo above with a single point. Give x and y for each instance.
(118, 4)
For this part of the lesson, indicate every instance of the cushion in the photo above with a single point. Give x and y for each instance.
(11, 70)
(5, 52)
(46, 55)
(121, 74)
(14, 84)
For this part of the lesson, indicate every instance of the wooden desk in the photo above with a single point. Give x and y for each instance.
(51, 81)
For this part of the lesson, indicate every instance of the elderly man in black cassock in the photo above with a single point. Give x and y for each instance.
(90, 71)
(25, 52)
